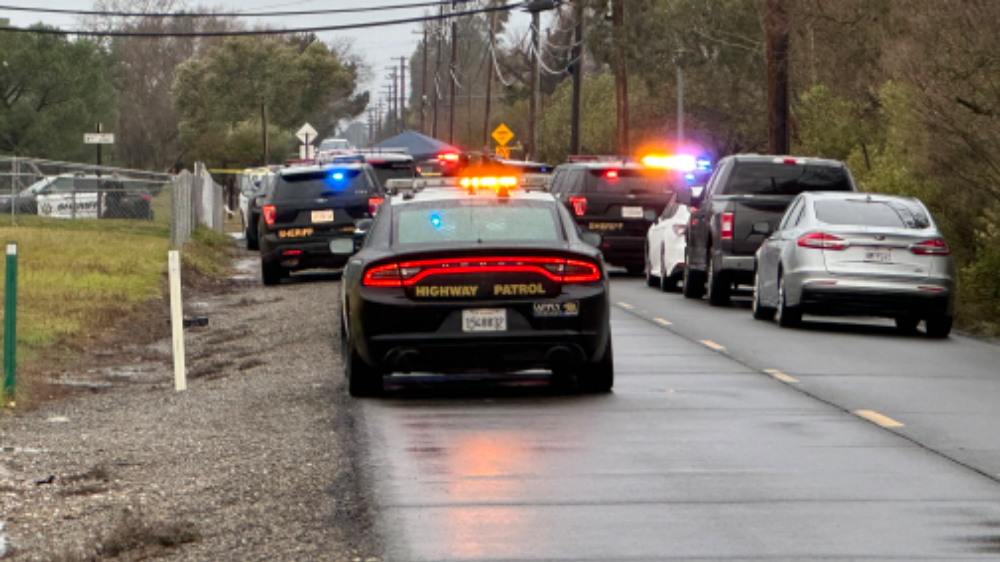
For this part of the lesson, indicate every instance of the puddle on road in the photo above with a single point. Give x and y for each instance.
(245, 269)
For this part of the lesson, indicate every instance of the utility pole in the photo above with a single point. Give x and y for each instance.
(621, 73)
(423, 89)
(489, 86)
(577, 53)
(776, 22)
(437, 75)
(402, 93)
(263, 121)
(378, 115)
(536, 22)
(393, 93)
(451, 78)
(680, 97)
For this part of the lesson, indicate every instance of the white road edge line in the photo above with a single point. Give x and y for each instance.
(711, 344)
(877, 418)
(781, 376)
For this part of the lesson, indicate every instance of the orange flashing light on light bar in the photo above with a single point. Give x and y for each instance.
(407, 274)
(448, 157)
(679, 162)
(489, 182)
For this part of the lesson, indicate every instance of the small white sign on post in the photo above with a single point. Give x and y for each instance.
(177, 320)
(307, 134)
(99, 138)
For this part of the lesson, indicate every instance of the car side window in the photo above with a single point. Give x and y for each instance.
(799, 214)
(670, 211)
(556, 182)
(577, 181)
(793, 211)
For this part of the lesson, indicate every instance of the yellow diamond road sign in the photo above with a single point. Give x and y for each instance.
(503, 135)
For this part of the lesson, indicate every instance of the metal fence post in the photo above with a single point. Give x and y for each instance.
(10, 324)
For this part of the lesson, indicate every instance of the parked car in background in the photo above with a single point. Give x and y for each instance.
(252, 184)
(665, 245)
(857, 254)
(746, 196)
(80, 196)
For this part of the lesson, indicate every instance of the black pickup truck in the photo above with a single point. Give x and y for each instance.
(741, 205)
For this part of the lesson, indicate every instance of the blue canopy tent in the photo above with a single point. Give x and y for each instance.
(420, 147)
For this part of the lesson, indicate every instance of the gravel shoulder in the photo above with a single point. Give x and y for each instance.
(259, 460)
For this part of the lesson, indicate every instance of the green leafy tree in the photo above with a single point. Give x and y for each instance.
(52, 91)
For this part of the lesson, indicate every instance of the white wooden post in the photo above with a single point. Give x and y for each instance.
(177, 320)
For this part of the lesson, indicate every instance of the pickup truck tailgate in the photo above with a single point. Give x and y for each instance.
(748, 210)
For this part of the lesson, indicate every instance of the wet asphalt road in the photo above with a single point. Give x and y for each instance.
(698, 454)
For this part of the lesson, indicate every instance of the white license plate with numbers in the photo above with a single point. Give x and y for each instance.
(323, 216)
(631, 212)
(878, 256)
(484, 320)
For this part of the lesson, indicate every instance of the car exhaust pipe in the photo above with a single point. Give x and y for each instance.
(402, 360)
(561, 355)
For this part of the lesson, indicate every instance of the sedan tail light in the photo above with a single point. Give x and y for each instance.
(269, 214)
(373, 204)
(579, 205)
(822, 241)
(726, 226)
(933, 247)
(405, 274)
(680, 230)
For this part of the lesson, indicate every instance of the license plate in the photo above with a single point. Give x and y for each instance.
(323, 216)
(878, 256)
(632, 212)
(484, 320)
(342, 246)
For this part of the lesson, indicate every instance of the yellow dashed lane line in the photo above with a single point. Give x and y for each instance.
(663, 322)
(625, 305)
(713, 345)
(877, 418)
(780, 376)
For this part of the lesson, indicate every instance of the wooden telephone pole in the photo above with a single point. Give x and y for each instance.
(776, 22)
(621, 73)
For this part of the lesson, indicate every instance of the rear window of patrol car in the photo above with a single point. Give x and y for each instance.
(321, 184)
(633, 182)
(475, 220)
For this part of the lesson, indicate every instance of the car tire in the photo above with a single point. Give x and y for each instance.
(363, 380)
(598, 377)
(253, 242)
(718, 287)
(694, 283)
(635, 270)
(270, 273)
(939, 326)
(668, 283)
(788, 316)
(759, 311)
(651, 280)
(907, 324)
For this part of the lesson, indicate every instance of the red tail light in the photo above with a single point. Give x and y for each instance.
(292, 253)
(579, 205)
(448, 157)
(822, 241)
(680, 229)
(611, 174)
(934, 247)
(269, 214)
(373, 204)
(406, 274)
(726, 226)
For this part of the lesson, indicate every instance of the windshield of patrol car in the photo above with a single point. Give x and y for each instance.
(475, 221)
(767, 178)
(636, 182)
(394, 171)
(324, 183)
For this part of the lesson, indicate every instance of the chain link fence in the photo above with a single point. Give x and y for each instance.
(33, 190)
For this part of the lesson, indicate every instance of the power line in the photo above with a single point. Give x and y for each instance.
(258, 32)
(225, 14)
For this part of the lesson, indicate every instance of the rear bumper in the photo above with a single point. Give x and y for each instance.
(820, 293)
(624, 250)
(395, 334)
(737, 269)
(315, 253)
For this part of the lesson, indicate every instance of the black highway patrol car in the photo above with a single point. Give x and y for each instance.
(487, 277)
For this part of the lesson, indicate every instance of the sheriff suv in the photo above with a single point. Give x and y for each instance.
(739, 208)
(617, 200)
(309, 217)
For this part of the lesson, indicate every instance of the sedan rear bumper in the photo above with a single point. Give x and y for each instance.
(835, 296)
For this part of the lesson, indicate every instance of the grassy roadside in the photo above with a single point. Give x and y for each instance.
(80, 276)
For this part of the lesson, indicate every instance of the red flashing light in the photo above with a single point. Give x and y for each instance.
(789, 161)
(934, 247)
(611, 174)
(407, 274)
(822, 241)
(373, 204)
(270, 212)
(292, 253)
(726, 226)
(579, 205)
(449, 157)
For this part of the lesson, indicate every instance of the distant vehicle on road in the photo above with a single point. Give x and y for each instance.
(386, 165)
(665, 244)
(81, 196)
(335, 144)
(252, 184)
(746, 196)
(456, 280)
(856, 254)
(618, 200)
(309, 215)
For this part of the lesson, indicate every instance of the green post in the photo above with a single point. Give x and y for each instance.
(10, 324)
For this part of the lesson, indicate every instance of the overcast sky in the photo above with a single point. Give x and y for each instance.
(376, 45)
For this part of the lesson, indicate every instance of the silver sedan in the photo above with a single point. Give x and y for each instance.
(856, 254)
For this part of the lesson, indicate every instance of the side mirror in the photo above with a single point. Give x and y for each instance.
(592, 239)
(762, 228)
(362, 227)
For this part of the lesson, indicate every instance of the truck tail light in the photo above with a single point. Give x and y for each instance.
(726, 226)
(269, 214)
(933, 247)
(822, 241)
(373, 204)
(579, 205)
(405, 274)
